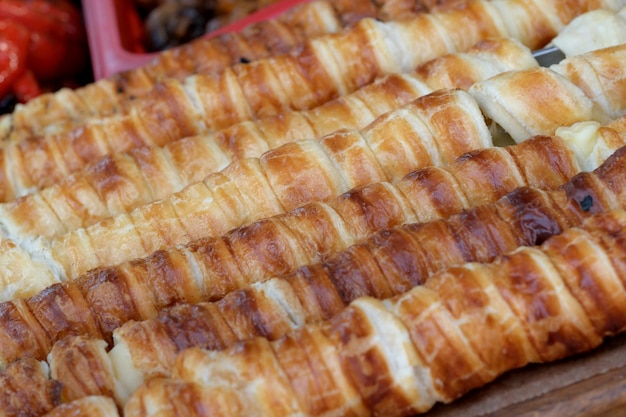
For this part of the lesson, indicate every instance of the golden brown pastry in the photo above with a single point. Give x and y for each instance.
(208, 56)
(321, 69)
(249, 189)
(27, 389)
(432, 344)
(192, 158)
(596, 73)
(273, 308)
(55, 215)
(252, 188)
(404, 256)
(203, 56)
(102, 300)
(599, 76)
(408, 255)
(94, 406)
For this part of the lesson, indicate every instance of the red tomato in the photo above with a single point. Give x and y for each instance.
(14, 40)
(26, 87)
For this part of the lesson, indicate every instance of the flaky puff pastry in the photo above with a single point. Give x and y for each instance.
(154, 172)
(268, 306)
(407, 256)
(147, 348)
(224, 278)
(460, 330)
(321, 69)
(118, 184)
(201, 56)
(609, 29)
(596, 88)
(286, 177)
(102, 300)
(94, 406)
(253, 188)
(388, 263)
(49, 216)
(212, 55)
(27, 389)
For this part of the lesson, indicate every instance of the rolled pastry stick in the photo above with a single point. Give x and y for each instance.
(216, 204)
(252, 188)
(104, 299)
(118, 183)
(203, 56)
(601, 78)
(50, 217)
(323, 68)
(213, 206)
(27, 389)
(598, 75)
(431, 344)
(406, 256)
(147, 348)
(289, 176)
(93, 406)
(209, 56)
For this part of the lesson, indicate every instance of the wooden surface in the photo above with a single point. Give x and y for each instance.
(603, 395)
(590, 385)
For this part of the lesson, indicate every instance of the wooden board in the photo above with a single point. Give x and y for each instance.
(589, 385)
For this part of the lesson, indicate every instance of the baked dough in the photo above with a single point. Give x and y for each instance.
(431, 344)
(252, 188)
(320, 69)
(45, 162)
(315, 233)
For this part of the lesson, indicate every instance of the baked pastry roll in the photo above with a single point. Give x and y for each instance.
(94, 406)
(27, 389)
(197, 156)
(608, 29)
(52, 212)
(209, 56)
(432, 344)
(321, 69)
(287, 176)
(405, 256)
(252, 188)
(104, 299)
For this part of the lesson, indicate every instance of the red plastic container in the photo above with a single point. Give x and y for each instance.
(114, 30)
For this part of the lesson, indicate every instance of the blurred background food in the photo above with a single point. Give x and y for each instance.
(44, 44)
(43, 47)
(168, 23)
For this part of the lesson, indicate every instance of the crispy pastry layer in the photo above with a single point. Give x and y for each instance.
(210, 56)
(149, 172)
(320, 69)
(460, 330)
(407, 256)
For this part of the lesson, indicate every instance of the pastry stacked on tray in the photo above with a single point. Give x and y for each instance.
(363, 224)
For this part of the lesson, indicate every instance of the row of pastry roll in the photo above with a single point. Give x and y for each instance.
(460, 330)
(250, 189)
(388, 263)
(101, 300)
(150, 173)
(434, 129)
(118, 183)
(319, 70)
(27, 391)
(169, 168)
(267, 38)
(209, 268)
(210, 55)
(46, 160)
